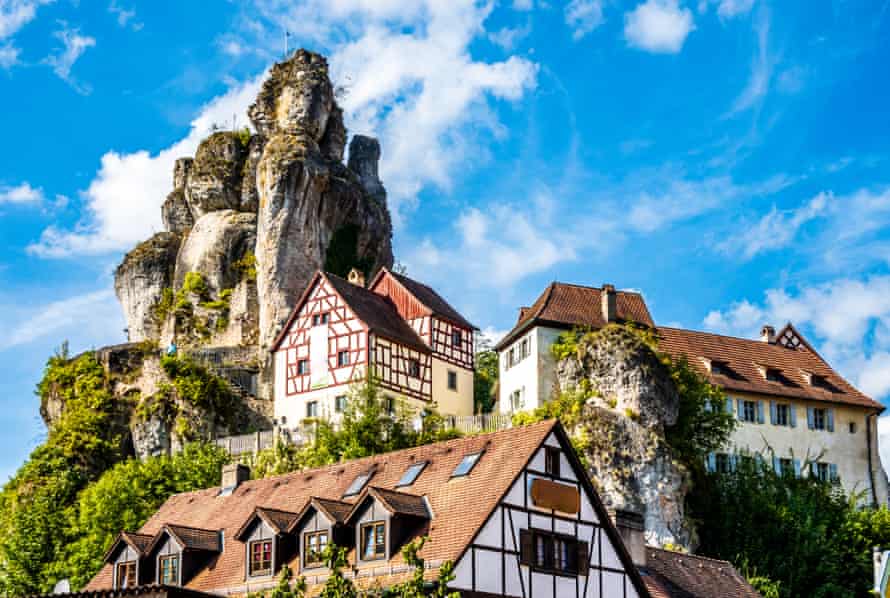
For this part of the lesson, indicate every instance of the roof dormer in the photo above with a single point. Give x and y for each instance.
(384, 520)
(321, 522)
(125, 556)
(266, 544)
(178, 551)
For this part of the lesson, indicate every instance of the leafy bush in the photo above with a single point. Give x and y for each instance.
(485, 379)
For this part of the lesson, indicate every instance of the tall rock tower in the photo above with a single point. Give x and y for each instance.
(253, 215)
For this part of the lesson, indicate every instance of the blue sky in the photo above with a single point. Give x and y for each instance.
(728, 158)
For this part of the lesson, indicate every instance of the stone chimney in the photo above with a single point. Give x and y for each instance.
(609, 303)
(631, 528)
(357, 277)
(768, 334)
(233, 475)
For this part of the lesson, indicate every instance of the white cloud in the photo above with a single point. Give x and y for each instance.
(762, 66)
(658, 26)
(15, 14)
(124, 16)
(733, 8)
(9, 56)
(583, 16)
(20, 194)
(123, 200)
(508, 37)
(776, 229)
(95, 315)
(74, 45)
(844, 316)
(523, 4)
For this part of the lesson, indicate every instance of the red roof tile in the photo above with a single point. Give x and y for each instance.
(569, 305)
(677, 575)
(746, 361)
(432, 300)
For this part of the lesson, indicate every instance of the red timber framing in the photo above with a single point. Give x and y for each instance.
(345, 333)
(437, 332)
(393, 367)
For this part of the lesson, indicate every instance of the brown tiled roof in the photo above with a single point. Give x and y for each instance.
(145, 591)
(139, 542)
(569, 305)
(192, 538)
(460, 505)
(401, 503)
(745, 358)
(279, 520)
(377, 312)
(677, 575)
(336, 510)
(432, 300)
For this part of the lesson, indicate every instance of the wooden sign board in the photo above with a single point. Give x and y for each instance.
(552, 495)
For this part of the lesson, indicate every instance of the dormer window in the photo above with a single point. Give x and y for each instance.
(358, 484)
(168, 570)
(719, 368)
(466, 465)
(411, 474)
(126, 575)
(818, 381)
(773, 374)
(260, 558)
(373, 540)
(314, 545)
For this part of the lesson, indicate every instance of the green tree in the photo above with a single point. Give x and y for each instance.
(416, 587)
(288, 589)
(486, 379)
(337, 586)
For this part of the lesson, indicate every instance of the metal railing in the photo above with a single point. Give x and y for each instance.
(479, 424)
(247, 443)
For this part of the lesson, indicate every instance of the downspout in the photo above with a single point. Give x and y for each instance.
(871, 471)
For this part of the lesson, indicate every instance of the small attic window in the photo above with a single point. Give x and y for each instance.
(466, 465)
(412, 473)
(773, 374)
(818, 381)
(719, 368)
(358, 484)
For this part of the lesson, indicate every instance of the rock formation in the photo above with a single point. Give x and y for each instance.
(632, 401)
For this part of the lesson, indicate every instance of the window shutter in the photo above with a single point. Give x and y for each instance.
(583, 558)
(813, 469)
(772, 412)
(740, 409)
(792, 415)
(759, 412)
(830, 414)
(797, 468)
(526, 547)
(832, 472)
(777, 465)
(729, 404)
(810, 421)
(712, 462)
(733, 462)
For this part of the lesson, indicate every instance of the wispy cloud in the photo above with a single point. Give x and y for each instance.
(583, 16)
(125, 16)
(762, 67)
(508, 37)
(658, 26)
(9, 56)
(73, 46)
(20, 194)
(15, 14)
(728, 9)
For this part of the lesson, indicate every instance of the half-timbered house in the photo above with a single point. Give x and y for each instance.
(418, 347)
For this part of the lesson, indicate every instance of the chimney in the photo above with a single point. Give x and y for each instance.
(631, 528)
(357, 277)
(233, 475)
(610, 303)
(768, 334)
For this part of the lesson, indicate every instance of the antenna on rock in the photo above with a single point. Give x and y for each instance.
(286, 39)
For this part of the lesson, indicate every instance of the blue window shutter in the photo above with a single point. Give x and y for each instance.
(759, 412)
(830, 413)
(740, 410)
(792, 415)
(733, 462)
(832, 472)
(813, 469)
(712, 462)
(772, 412)
(797, 468)
(777, 465)
(810, 423)
(729, 404)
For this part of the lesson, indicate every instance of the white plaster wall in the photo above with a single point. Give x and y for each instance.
(534, 376)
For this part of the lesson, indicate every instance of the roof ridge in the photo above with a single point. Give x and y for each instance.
(688, 554)
(191, 527)
(717, 334)
(592, 288)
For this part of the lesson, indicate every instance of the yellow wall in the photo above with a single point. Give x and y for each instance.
(849, 451)
(450, 402)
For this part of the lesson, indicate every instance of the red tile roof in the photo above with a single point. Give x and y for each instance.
(569, 305)
(746, 361)
(432, 300)
(459, 505)
(278, 520)
(676, 575)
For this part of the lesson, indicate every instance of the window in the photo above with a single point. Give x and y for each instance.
(261, 557)
(126, 575)
(819, 419)
(414, 368)
(516, 400)
(819, 381)
(456, 338)
(342, 358)
(320, 319)
(452, 380)
(389, 404)
(466, 465)
(719, 368)
(411, 474)
(822, 471)
(723, 464)
(852, 427)
(340, 403)
(314, 545)
(303, 367)
(511, 357)
(316, 320)
(782, 415)
(168, 574)
(312, 409)
(558, 554)
(551, 461)
(749, 411)
(773, 375)
(373, 536)
(786, 467)
(523, 349)
(358, 484)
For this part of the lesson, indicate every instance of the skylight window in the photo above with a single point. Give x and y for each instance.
(411, 474)
(466, 465)
(358, 484)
